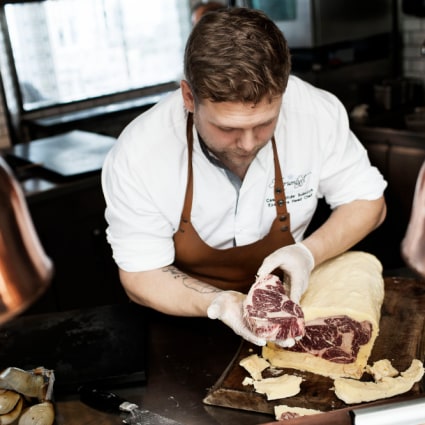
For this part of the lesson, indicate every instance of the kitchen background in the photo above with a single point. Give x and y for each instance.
(32, 33)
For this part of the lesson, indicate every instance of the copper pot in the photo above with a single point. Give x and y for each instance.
(25, 269)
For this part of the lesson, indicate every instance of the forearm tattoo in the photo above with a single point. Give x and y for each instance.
(190, 282)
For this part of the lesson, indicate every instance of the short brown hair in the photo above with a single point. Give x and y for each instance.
(236, 55)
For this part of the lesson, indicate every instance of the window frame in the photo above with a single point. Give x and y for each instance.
(95, 106)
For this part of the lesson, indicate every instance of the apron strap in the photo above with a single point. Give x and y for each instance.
(279, 192)
(187, 207)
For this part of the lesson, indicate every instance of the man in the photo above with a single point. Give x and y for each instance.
(227, 171)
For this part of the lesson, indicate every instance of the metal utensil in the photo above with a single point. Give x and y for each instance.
(111, 402)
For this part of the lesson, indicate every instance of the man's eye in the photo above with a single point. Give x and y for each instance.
(226, 130)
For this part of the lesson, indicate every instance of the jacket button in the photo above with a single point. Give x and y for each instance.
(284, 228)
(283, 217)
(280, 202)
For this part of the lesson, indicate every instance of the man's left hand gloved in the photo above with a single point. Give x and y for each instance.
(227, 307)
(296, 261)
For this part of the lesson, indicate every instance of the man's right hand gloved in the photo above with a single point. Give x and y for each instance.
(227, 307)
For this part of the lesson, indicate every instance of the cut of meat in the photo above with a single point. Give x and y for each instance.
(284, 413)
(337, 339)
(342, 309)
(270, 314)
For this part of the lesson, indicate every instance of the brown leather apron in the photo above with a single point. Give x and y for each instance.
(232, 268)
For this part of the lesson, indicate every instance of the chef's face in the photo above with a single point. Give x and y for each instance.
(234, 132)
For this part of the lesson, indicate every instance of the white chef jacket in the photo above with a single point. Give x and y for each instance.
(145, 174)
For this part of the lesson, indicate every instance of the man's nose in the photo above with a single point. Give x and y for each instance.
(247, 141)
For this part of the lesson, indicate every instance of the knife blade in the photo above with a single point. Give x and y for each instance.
(110, 402)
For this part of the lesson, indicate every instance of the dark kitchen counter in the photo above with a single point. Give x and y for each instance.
(185, 358)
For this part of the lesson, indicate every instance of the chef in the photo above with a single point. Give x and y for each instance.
(218, 182)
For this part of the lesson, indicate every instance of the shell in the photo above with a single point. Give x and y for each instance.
(27, 383)
(8, 400)
(38, 414)
(10, 417)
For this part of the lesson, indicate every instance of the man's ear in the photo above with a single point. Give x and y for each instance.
(188, 99)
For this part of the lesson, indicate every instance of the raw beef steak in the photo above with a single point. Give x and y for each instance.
(337, 339)
(270, 314)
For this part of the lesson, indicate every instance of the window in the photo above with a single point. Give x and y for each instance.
(70, 50)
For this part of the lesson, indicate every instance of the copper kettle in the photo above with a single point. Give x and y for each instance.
(25, 269)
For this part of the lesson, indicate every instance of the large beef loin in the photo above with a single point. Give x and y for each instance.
(342, 309)
(270, 314)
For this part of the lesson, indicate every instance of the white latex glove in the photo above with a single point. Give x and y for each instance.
(296, 261)
(227, 307)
